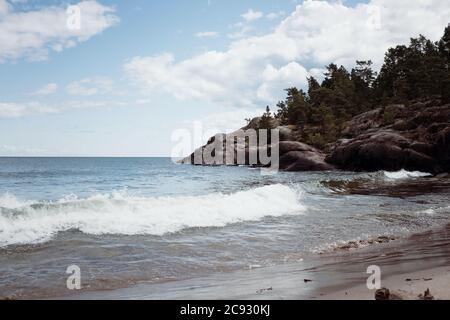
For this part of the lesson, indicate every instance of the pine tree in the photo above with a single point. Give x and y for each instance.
(444, 45)
(266, 120)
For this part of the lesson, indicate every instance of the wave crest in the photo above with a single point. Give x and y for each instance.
(403, 174)
(120, 213)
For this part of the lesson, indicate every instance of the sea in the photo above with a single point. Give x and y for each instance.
(128, 221)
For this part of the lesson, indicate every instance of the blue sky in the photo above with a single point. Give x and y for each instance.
(138, 70)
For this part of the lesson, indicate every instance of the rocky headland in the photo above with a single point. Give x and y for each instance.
(397, 117)
(416, 137)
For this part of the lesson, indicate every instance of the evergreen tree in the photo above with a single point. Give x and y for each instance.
(266, 120)
(418, 71)
(282, 113)
(444, 45)
(297, 107)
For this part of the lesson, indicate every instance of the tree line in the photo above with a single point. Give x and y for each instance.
(419, 71)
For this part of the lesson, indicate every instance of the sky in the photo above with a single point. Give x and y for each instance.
(121, 78)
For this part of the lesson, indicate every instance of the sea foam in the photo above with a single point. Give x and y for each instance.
(403, 174)
(124, 214)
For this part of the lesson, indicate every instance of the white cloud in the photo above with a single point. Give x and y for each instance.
(46, 90)
(275, 15)
(276, 80)
(253, 69)
(227, 121)
(33, 34)
(207, 34)
(91, 86)
(4, 7)
(17, 110)
(8, 150)
(251, 15)
(242, 31)
(318, 73)
(332, 32)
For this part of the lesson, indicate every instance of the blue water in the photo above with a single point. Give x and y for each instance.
(130, 220)
(53, 178)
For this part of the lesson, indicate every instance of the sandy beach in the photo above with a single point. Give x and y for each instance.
(408, 266)
(409, 285)
(196, 150)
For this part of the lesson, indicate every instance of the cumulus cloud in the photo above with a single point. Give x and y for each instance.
(33, 34)
(4, 7)
(252, 71)
(275, 15)
(241, 32)
(16, 110)
(91, 86)
(332, 32)
(207, 34)
(10, 110)
(274, 80)
(46, 90)
(251, 15)
(8, 150)
(227, 121)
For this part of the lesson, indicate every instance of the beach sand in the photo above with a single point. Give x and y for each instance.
(409, 285)
(411, 265)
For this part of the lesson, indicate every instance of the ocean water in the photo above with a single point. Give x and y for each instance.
(126, 221)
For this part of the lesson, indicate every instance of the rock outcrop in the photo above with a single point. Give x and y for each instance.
(293, 155)
(386, 294)
(414, 137)
(297, 156)
(418, 139)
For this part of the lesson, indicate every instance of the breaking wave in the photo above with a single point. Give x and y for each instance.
(403, 174)
(124, 214)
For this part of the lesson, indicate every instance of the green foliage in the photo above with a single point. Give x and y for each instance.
(266, 120)
(418, 71)
(282, 113)
(265, 124)
(444, 45)
(316, 140)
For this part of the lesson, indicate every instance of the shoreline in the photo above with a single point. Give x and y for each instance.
(423, 259)
(409, 286)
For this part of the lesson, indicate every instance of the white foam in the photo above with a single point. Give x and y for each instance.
(429, 211)
(403, 174)
(121, 213)
(9, 201)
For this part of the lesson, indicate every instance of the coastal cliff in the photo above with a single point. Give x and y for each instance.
(416, 138)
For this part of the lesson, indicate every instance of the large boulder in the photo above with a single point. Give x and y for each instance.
(297, 156)
(288, 146)
(442, 148)
(304, 161)
(384, 150)
(413, 137)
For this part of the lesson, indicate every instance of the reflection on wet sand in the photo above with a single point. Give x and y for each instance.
(328, 276)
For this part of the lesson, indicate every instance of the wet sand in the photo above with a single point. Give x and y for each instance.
(408, 285)
(415, 264)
